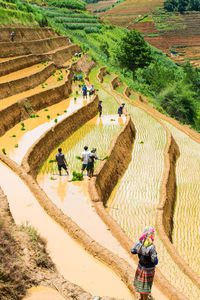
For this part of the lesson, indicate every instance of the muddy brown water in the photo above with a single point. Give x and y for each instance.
(137, 194)
(22, 73)
(72, 261)
(51, 82)
(43, 293)
(35, 127)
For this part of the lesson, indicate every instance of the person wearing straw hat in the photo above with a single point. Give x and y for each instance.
(146, 251)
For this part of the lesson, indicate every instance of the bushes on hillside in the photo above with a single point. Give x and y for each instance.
(182, 5)
(179, 102)
(74, 4)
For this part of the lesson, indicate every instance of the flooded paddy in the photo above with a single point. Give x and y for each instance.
(23, 73)
(51, 82)
(186, 236)
(134, 201)
(109, 104)
(43, 293)
(98, 133)
(17, 141)
(72, 261)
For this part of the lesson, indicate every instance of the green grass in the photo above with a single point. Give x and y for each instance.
(9, 16)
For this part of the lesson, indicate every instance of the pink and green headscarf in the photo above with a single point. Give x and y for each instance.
(147, 239)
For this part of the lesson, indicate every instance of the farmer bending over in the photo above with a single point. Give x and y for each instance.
(90, 165)
(61, 161)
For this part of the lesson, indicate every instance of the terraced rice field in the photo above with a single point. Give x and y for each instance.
(71, 20)
(51, 82)
(19, 139)
(185, 234)
(95, 133)
(161, 29)
(134, 201)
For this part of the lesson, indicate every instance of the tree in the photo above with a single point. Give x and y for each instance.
(132, 52)
(179, 102)
(182, 5)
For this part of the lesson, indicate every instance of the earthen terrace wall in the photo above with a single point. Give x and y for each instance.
(9, 49)
(25, 33)
(20, 110)
(31, 162)
(42, 148)
(16, 86)
(58, 56)
(165, 209)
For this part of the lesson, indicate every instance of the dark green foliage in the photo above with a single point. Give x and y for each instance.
(182, 5)
(52, 161)
(132, 52)
(75, 4)
(3, 150)
(79, 157)
(77, 176)
(179, 102)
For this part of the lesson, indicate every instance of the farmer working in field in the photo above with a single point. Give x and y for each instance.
(100, 108)
(90, 165)
(120, 109)
(61, 161)
(92, 90)
(84, 90)
(84, 158)
(12, 35)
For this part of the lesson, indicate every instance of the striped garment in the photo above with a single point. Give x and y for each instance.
(144, 279)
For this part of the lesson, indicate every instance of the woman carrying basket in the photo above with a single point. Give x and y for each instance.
(147, 261)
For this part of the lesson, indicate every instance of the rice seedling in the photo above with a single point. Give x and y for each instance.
(46, 109)
(112, 120)
(22, 124)
(106, 157)
(32, 116)
(52, 161)
(3, 150)
(52, 178)
(58, 114)
(14, 135)
(77, 176)
(23, 128)
(65, 111)
(79, 157)
(48, 117)
(55, 120)
(16, 145)
(37, 116)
